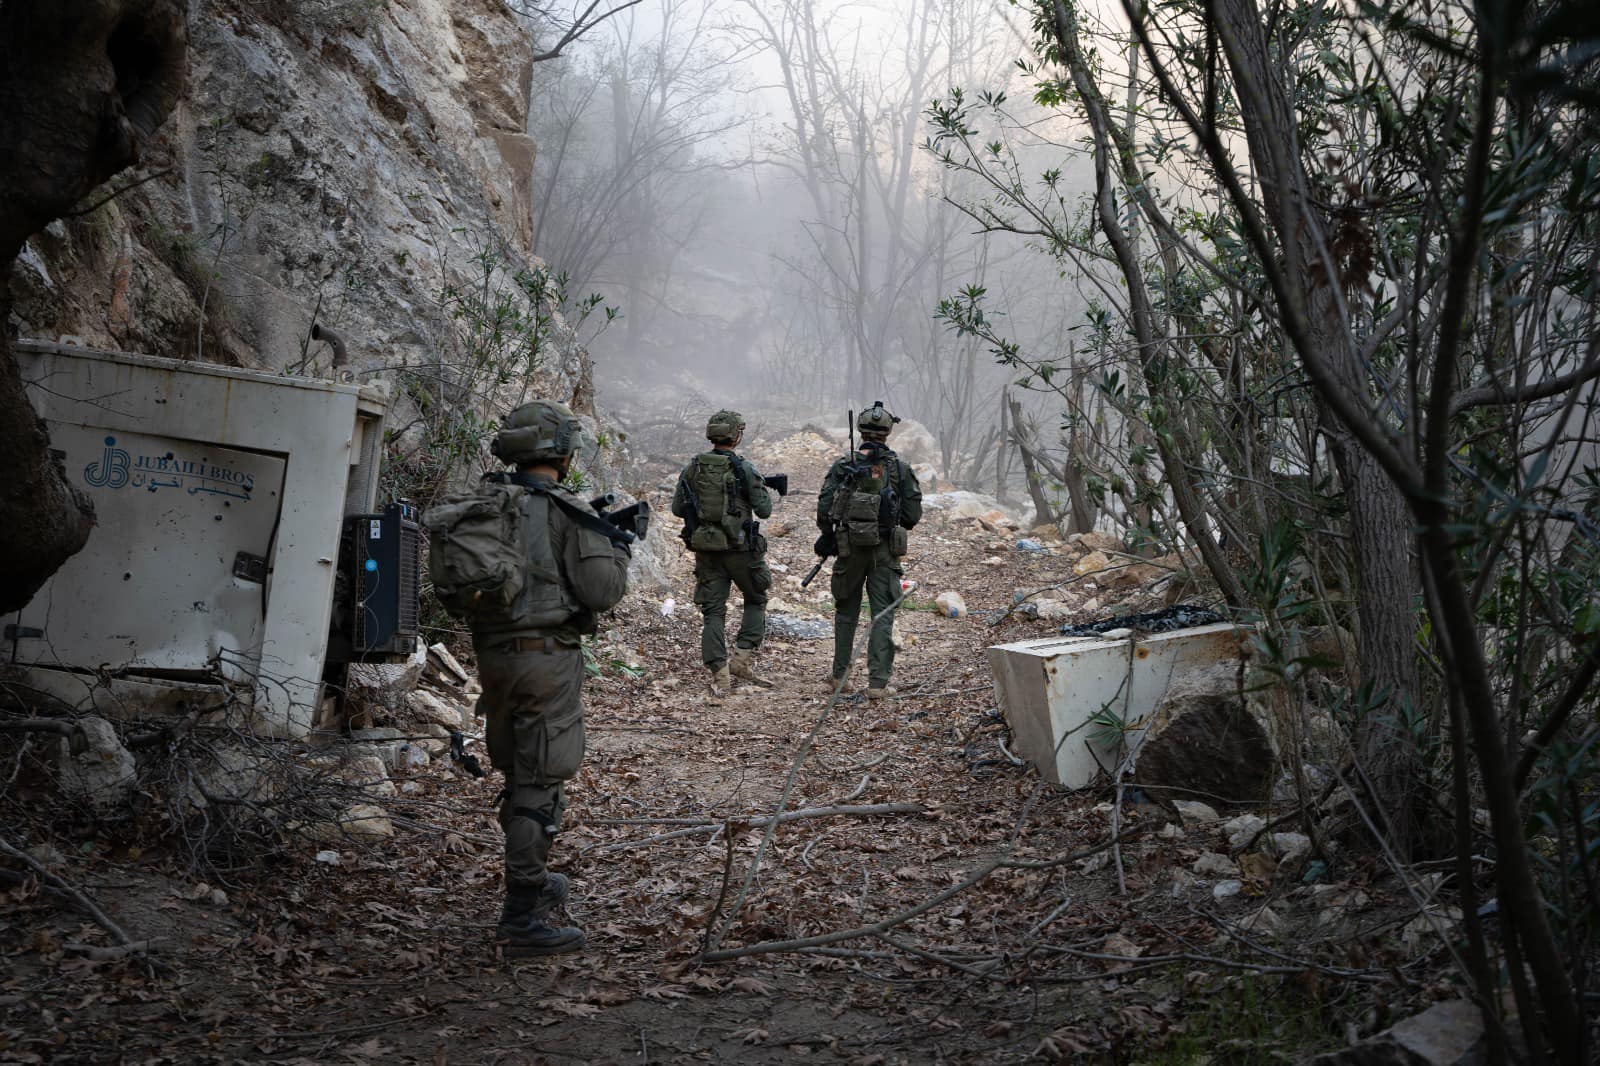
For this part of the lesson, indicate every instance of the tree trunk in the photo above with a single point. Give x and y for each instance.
(83, 84)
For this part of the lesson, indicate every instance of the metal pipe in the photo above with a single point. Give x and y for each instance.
(319, 332)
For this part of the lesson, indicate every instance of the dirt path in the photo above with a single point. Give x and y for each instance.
(388, 955)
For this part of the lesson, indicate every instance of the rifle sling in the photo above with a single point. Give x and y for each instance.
(587, 519)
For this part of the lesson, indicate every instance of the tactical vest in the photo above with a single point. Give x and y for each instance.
(864, 506)
(721, 508)
(493, 563)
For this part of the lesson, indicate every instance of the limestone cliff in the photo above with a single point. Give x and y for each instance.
(352, 162)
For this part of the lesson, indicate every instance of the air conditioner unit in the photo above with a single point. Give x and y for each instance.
(384, 555)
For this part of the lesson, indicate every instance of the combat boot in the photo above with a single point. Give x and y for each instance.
(880, 692)
(721, 681)
(832, 682)
(525, 925)
(742, 666)
(520, 902)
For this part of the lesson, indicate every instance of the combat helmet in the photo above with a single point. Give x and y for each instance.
(724, 427)
(875, 422)
(538, 430)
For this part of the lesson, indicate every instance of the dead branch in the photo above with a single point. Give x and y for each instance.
(766, 820)
(65, 888)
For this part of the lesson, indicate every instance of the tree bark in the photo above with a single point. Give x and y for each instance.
(83, 85)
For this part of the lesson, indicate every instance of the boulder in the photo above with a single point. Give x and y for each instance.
(1202, 741)
(1196, 813)
(1096, 541)
(912, 442)
(365, 821)
(1446, 1034)
(1092, 563)
(423, 707)
(95, 767)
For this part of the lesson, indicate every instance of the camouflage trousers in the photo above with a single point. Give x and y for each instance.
(533, 710)
(879, 573)
(714, 574)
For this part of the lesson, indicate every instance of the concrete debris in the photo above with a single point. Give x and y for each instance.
(373, 681)
(365, 821)
(1196, 813)
(1289, 847)
(425, 706)
(1446, 1034)
(950, 604)
(1215, 864)
(384, 742)
(1241, 830)
(1264, 921)
(102, 772)
(1171, 831)
(1202, 741)
(445, 669)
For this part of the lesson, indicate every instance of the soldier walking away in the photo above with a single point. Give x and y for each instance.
(869, 500)
(720, 496)
(530, 567)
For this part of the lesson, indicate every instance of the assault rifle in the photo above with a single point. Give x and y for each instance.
(778, 483)
(827, 545)
(621, 527)
(634, 518)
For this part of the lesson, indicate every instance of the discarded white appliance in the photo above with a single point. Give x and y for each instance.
(1053, 691)
(229, 506)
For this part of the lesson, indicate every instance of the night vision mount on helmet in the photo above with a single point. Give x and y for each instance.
(542, 429)
(724, 426)
(876, 421)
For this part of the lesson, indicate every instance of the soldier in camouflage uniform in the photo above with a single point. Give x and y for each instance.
(720, 495)
(531, 668)
(868, 502)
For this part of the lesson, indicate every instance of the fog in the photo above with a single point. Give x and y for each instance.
(749, 183)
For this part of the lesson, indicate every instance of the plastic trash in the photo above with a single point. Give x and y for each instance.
(950, 604)
(1026, 545)
(668, 606)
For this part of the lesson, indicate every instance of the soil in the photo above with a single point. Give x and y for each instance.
(390, 956)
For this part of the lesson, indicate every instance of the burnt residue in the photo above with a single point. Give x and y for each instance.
(1181, 616)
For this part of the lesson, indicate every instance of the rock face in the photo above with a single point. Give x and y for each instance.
(1202, 742)
(339, 158)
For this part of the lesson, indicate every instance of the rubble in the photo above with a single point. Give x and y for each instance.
(97, 768)
(1195, 812)
(424, 706)
(1201, 740)
(1215, 864)
(1243, 829)
(444, 669)
(1446, 1034)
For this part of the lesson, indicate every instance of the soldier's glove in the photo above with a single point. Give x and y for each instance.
(827, 544)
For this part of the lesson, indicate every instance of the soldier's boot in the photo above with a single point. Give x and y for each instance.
(721, 681)
(742, 666)
(880, 692)
(832, 682)
(525, 925)
(554, 894)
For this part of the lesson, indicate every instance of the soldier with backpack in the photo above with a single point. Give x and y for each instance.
(719, 497)
(530, 567)
(868, 502)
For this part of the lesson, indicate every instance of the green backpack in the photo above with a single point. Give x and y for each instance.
(716, 495)
(491, 561)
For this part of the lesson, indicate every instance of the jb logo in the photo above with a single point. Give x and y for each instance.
(112, 470)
